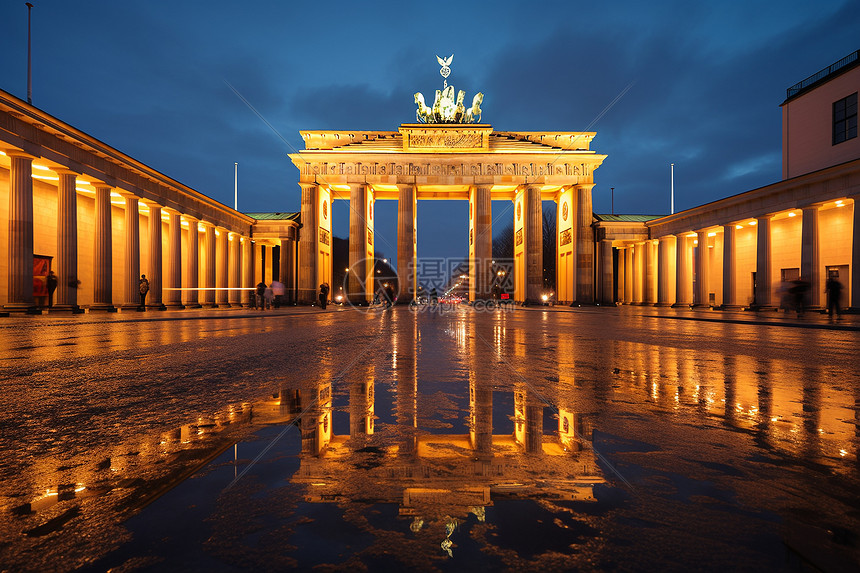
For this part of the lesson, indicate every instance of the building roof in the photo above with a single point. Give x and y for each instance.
(274, 216)
(626, 218)
(850, 61)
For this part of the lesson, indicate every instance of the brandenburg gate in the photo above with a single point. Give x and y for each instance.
(446, 155)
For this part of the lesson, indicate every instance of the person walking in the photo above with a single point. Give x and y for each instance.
(260, 293)
(323, 295)
(269, 297)
(279, 291)
(144, 288)
(51, 280)
(833, 289)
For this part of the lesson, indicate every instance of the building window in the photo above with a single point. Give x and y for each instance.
(845, 119)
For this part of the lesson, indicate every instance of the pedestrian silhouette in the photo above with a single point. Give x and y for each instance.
(323, 295)
(259, 298)
(52, 286)
(144, 288)
(833, 289)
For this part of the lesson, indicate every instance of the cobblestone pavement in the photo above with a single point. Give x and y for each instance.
(543, 438)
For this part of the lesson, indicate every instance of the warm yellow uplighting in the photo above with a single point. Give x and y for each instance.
(201, 227)
(690, 235)
(41, 167)
(113, 194)
(712, 234)
(696, 242)
(2, 153)
(839, 203)
(45, 177)
(753, 223)
(217, 233)
(792, 214)
(82, 190)
(739, 226)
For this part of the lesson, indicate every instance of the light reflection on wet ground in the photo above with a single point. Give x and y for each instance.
(597, 439)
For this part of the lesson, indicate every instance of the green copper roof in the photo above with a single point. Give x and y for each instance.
(274, 216)
(623, 218)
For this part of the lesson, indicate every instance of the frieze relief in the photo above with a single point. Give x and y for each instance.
(450, 169)
(565, 238)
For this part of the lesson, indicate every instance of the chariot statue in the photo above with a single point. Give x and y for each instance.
(446, 108)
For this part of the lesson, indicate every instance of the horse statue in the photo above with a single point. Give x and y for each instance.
(437, 106)
(473, 114)
(448, 105)
(424, 114)
(460, 110)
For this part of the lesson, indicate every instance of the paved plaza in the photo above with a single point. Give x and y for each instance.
(589, 438)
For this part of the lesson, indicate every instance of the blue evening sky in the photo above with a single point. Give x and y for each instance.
(706, 80)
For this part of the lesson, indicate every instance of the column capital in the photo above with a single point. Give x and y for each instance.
(65, 171)
(11, 152)
(586, 186)
(101, 184)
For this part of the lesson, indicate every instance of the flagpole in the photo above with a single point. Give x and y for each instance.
(672, 189)
(29, 58)
(236, 186)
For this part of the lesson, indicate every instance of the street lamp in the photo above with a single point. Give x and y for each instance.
(612, 190)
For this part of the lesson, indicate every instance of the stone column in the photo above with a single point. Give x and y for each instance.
(730, 291)
(192, 295)
(606, 273)
(103, 251)
(663, 297)
(533, 244)
(629, 274)
(248, 272)
(406, 243)
(67, 242)
(235, 282)
(638, 272)
(650, 263)
(223, 265)
(173, 298)
(20, 294)
(854, 303)
(288, 269)
(484, 243)
(584, 246)
(763, 290)
(702, 275)
(622, 274)
(132, 253)
(682, 272)
(210, 250)
(810, 263)
(308, 244)
(156, 267)
(359, 267)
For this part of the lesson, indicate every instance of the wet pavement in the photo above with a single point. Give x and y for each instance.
(551, 438)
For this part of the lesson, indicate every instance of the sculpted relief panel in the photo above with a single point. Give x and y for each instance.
(449, 169)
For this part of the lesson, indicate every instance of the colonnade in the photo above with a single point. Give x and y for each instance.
(189, 261)
(575, 239)
(744, 263)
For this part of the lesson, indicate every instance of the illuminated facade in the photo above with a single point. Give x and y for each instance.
(744, 250)
(99, 219)
(469, 162)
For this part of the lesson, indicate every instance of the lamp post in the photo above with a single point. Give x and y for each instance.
(612, 198)
(29, 58)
